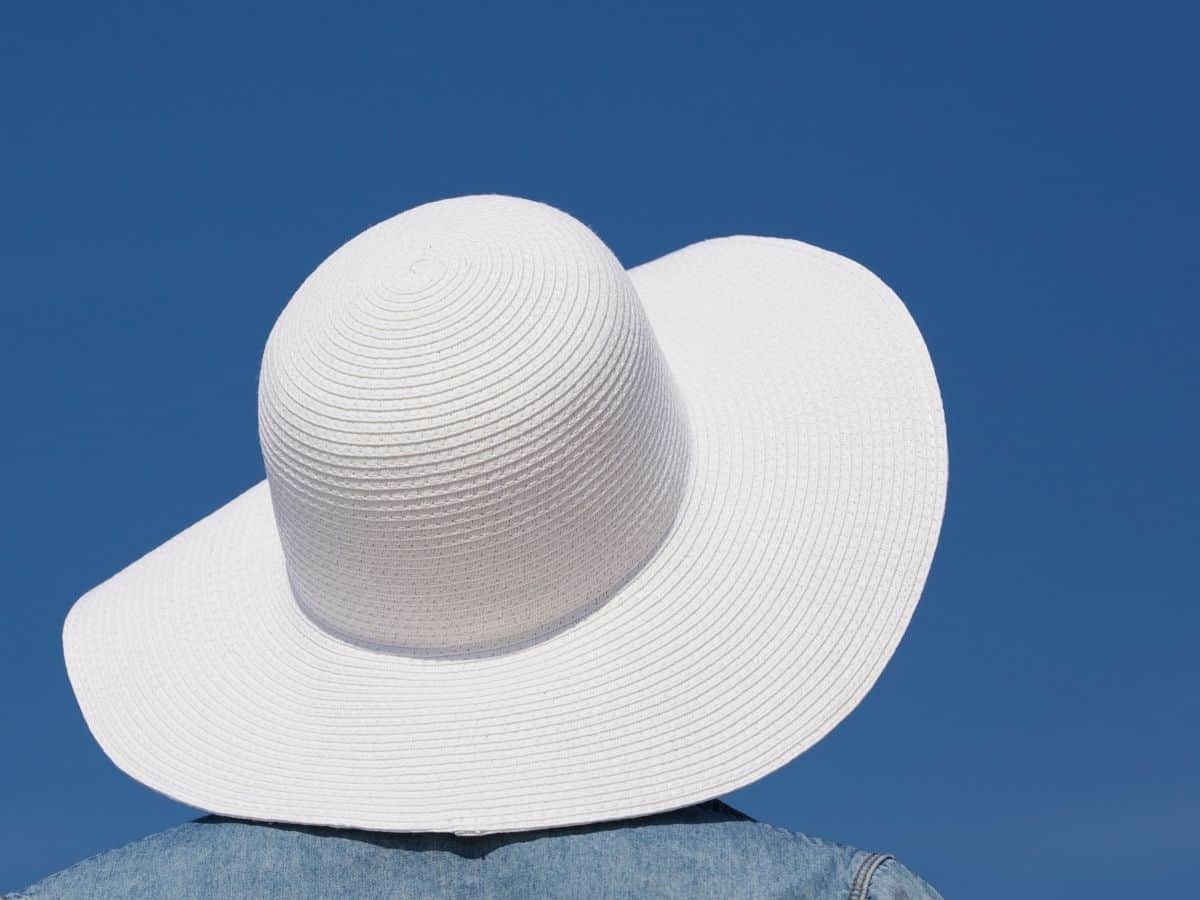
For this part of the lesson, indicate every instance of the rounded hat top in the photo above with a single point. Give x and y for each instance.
(470, 434)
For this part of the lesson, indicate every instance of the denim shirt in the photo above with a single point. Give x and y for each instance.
(704, 851)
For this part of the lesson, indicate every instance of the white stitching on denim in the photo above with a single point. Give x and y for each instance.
(866, 871)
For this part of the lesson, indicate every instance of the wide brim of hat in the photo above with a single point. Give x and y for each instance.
(814, 502)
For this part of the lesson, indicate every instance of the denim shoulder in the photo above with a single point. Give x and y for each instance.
(780, 862)
(882, 877)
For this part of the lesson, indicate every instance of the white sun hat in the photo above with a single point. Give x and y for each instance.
(542, 541)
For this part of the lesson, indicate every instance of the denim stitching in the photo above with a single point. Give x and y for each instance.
(866, 872)
(858, 873)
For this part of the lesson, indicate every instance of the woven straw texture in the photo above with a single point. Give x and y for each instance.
(469, 431)
(542, 542)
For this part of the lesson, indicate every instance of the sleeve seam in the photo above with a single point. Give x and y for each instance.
(866, 872)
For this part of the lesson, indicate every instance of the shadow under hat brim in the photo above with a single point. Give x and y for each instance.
(815, 498)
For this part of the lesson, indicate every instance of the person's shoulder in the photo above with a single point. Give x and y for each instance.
(753, 859)
(186, 860)
(135, 869)
(885, 878)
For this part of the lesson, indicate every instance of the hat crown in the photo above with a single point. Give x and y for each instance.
(470, 434)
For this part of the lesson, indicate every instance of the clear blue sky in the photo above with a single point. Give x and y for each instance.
(1026, 179)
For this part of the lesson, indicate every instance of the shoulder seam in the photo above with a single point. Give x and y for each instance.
(866, 871)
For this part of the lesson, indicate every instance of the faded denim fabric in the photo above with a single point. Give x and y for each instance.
(705, 851)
